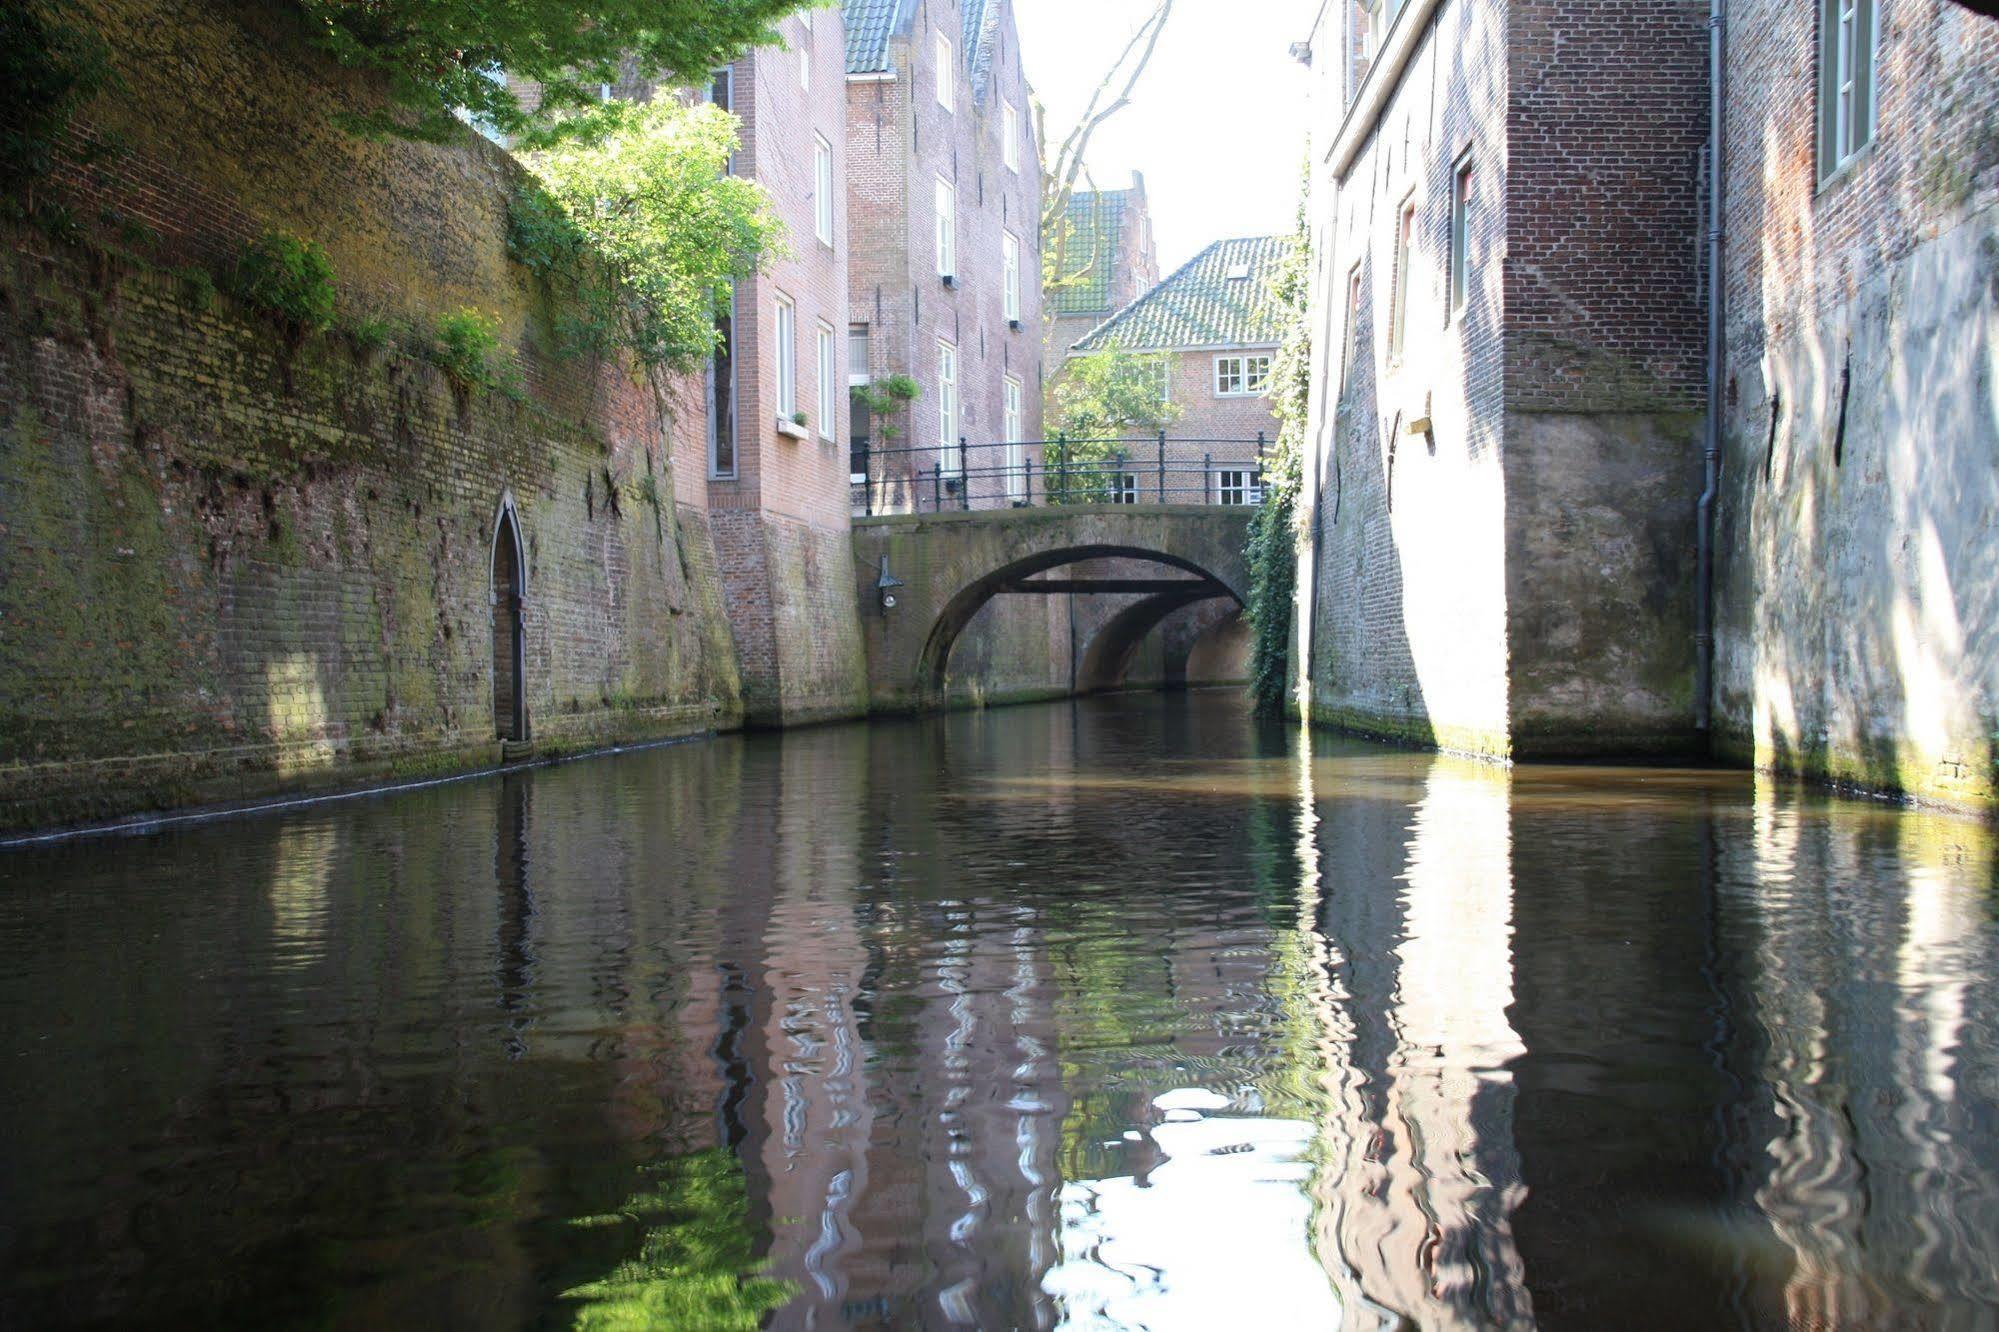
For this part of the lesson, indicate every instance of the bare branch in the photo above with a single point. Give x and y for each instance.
(1067, 165)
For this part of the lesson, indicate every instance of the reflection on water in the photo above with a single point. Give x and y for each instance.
(1121, 1013)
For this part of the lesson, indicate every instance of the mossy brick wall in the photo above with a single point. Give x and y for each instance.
(226, 569)
(1857, 599)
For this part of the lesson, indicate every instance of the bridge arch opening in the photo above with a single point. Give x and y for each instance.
(963, 606)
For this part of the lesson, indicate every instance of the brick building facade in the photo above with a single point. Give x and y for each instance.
(1508, 340)
(777, 420)
(1107, 260)
(1857, 621)
(944, 279)
(1216, 324)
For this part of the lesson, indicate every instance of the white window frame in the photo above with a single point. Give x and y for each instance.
(1405, 259)
(822, 191)
(1016, 447)
(786, 346)
(1228, 377)
(1009, 134)
(1350, 347)
(1242, 375)
(1123, 486)
(1849, 42)
(947, 74)
(947, 229)
(1459, 291)
(829, 382)
(805, 50)
(947, 408)
(861, 334)
(1239, 486)
(1010, 275)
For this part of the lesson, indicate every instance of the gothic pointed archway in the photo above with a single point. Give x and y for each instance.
(509, 602)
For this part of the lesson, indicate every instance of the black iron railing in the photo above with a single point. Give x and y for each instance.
(1153, 469)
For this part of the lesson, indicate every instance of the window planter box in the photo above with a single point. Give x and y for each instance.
(790, 429)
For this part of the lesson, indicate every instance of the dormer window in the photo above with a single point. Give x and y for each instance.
(1238, 272)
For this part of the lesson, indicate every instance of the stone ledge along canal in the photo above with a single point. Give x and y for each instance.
(1117, 1013)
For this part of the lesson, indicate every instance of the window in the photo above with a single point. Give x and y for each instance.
(1352, 348)
(1010, 281)
(787, 358)
(822, 188)
(1238, 486)
(1016, 448)
(1009, 135)
(1123, 487)
(829, 377)
(947, 75)
(1846, 81)
(1165, 368)
(722, 398)
(805, 51)
(723, 94)
(947, 407)
(1398, 309)
(1241, 376)
(947, 229)
(857, 354)
(1460, 236)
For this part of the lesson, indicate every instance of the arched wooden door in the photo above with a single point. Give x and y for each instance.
(510, 714)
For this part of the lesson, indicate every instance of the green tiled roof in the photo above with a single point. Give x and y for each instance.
(1096, 233)
(870, 23)
(1219, 298)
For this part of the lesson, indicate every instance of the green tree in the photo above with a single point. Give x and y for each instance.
(1103, 401)
(444, 56)
(643, 223)
(1114, 393)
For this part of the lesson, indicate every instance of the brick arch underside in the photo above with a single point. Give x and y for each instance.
(1108, 658)
(968, 601)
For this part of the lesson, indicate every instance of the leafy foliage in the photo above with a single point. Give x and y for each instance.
(464, 344)
(645, 228)
(885, 399)
(49, 68)
(289, 277)
(444, 56)
(1102, 401)
(1273, 538)
(695, 1267)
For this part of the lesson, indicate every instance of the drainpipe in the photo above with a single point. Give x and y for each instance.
(1711, 440)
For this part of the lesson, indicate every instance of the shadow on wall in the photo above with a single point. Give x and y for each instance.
(1858, 587)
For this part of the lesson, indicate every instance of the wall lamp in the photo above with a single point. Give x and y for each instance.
(885, 586)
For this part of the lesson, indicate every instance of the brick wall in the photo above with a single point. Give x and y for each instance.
(901, 141)
(1410, 636)
(227, 569)
(781, 519)
(1516, 578)
(1859, 636)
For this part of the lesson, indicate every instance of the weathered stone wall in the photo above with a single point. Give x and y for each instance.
(1857, 616)
(229, 567)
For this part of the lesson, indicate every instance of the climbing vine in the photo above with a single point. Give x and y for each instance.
(1273, 538)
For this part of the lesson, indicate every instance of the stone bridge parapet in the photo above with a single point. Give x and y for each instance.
(943, 568)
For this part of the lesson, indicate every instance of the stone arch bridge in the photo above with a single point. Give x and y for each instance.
(923, 578)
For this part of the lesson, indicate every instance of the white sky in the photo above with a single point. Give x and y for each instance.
(1217, 124)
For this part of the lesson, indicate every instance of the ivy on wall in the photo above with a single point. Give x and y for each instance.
(1273, 537)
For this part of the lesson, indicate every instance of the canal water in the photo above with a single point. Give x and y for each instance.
(1128, 1012)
